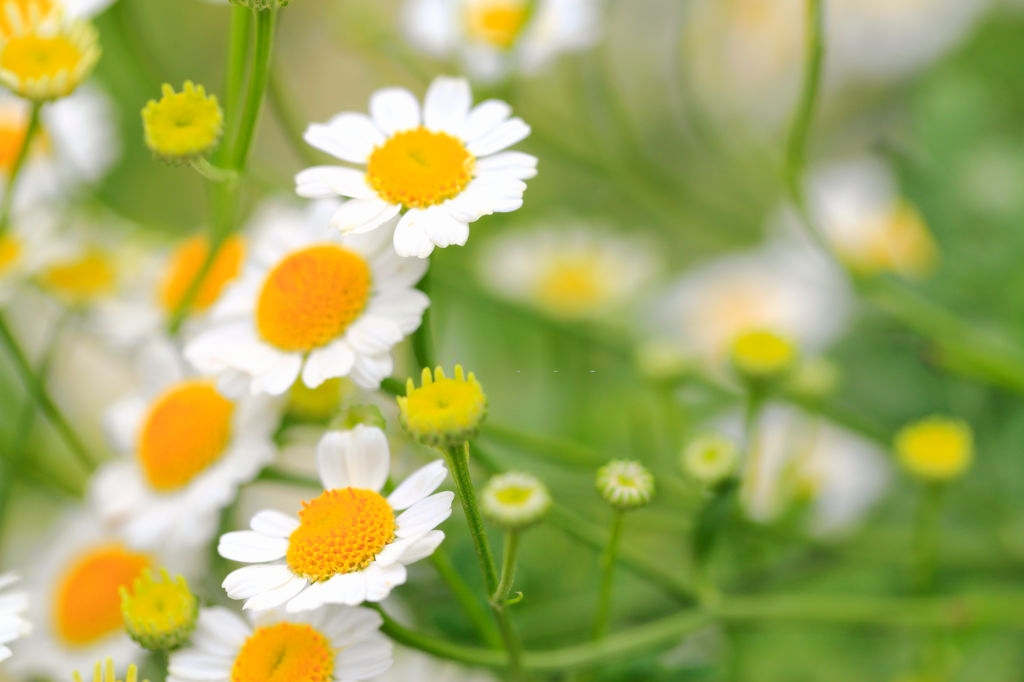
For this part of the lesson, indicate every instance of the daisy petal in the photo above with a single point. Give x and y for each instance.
(424, 515)
(394, 109)
(511, 164)
(347, 588)
(333, 360)
(372, 657)
(307, 600)
(248, 546)
(411, 237)
(418, 485)
(505, 135)
(363, 215)
(321, 182)
(422, 548)
(274, 598)
(446, 104)
(274, 523)
(251, 580)
(443, 229)
(348, 136)
(358, 458)
(380, 580)
(484, 118)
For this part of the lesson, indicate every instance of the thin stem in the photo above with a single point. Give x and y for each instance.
(266, 21)
(423, 338)
(289, 120)
(604, 597)
(19, 162)
(799, 132)
(37, 390)
(925, 540)
(754, 400)
(473, 607)
(510, 554)
(238, 58)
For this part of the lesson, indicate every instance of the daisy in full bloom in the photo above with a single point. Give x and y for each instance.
(310, 303)
(494, 37)
(347, 546)
(12, 619)
(187, 449)
(74, 600)
(857, 206)
(577, 273)
(785, 287)
(337, 643)
(441, 167)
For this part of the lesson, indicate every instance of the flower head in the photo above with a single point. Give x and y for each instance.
(182, 125)
(440, 170)
(443, 411)
(763, 355)
(104, 672)
(625, 484)
(515, 500)
(710, 458)
(159, 615)
(936, 449)
(48, 56)
(12, 619)
(350, 544)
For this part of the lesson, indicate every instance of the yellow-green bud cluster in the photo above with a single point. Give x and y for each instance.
(182, 126)
(443, 412)
(515, 500)
(159, 615)
(625, 484)
(710, 458)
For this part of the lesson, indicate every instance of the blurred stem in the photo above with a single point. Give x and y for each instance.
(19, 163)
(796, 146)
(423, 338)
(472, 606)
(510, 553)
(926, 537)
(266, 21)
(288, 118)
(753, 403)
(604, 597)
(37, 390)
(238, 57)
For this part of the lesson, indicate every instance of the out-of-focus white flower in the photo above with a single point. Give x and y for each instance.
(188, 449)
(786, 287)
(441, 168)
(28, 247)
(795, 457)
(415, 666)
(311, 303)
(336, 643)
(575, 273)
(12, 614)
(857, 206)
(492, 38)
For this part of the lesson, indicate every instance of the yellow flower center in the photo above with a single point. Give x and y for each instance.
(762, 353)
(285, 652)
(936, 448)
(572, 287)
(186, 430)
(443, 409)
(514, 494)
(182, 124)
(24, 10)
(896, 241)
(34, 57)
(340, 532)
(87, 605)
(10, 251)
(311, 297)
(497, 23)
(84, 278)
(185, 265)
(159, 614)
(419, 168)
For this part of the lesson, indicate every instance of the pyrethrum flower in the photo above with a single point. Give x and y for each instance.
(710, 458)
(515, 499)
(492, 38)
(347, 546)
(182, 125)
(312, 304)
(333, 644)
(46, 58)
(936, 448)
(28, 247)
(625, 484)
(761, 355)
(443, 411)
(12, 615)
(188, 449)
(159, 615)
(440, 168)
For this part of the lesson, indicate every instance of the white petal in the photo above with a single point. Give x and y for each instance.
(484, 118)
(394, 109)
(309, 599)
(363, 215)
(425, 515)
(373, 335)
(418, 485)
(348, 588)
(274, 523)
(380, 580)
(274, 598)
(370, 370)
(251, 580)
(248, 546)
(447, 104)
(348, 136)
(443, 229)
(370, 657)
(422, 548)
(505, 135)
(359, 458)
(328, 181)
(513, 164)
(280, 376)
(333, 360)
(411, 237)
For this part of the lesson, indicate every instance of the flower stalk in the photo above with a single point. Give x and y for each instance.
(19, 162)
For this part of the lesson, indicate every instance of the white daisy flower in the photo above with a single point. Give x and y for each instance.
(74, 604)
(801, 457)
(576, 273)
(440, 168)
(492, 38)
(28, 247)
(857, 206)
(786, 287)
(313, 304)
(76, 145)
(347, 546)
(12, 619)
(188, 449)
(416, 666)
(339, 643)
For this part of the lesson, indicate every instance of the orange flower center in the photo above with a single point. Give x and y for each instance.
(498, 23)
(285, 652)
(311, 297)
(185, 265)
(340, 532)
(10, 250)
(419, 168)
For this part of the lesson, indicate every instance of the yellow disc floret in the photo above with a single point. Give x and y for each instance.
(341, 531)
(496, 22)
(87, 603)
(186, 430)
(159, 615)
(182, 125)
(936, 448)
(311, 297)
(104, 672)
(573, 287)
(16, 14)
(420, 168)
(443, 411)
(762, 355)
(10, 252)
(80, 280)
(48, 59)
(185, 264)
(285, 652)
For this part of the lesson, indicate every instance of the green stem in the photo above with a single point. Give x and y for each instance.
(37, 390)
(472, 606)
(238, 57)
(266, 21)
(423, 338)
(926, 536)
(19, 161)
(796, 147)
(753, 402)
(510, 553)
(289, 120)
(604, 597)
